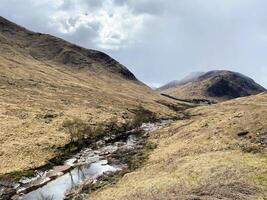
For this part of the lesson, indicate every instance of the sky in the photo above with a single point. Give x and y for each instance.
(158, 40)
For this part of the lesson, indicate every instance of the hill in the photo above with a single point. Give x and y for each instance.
(214, 86)
(46, 81)
(191, 77)
(218, 153)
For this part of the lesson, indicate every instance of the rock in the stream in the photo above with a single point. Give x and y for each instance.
(6, 193)
(113, 161)
(62, 168)
(81, 160)
(71, 162)
(104, 153)
(53, 174)
(119, 144)
(107, 138)
(100, 143)
(15, 197)
(6, 183)
(96, 152)
(33, 185)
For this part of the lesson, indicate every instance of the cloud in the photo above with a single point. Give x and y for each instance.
(153, 85)
(110, 26)
(158, 40)
(148, 7)
(101, 24)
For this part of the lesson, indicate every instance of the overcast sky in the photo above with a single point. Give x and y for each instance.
(158, 40)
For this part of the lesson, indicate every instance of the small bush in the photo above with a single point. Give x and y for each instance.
(262, 179)
(99, 130)
(151, 145)
(143, 115)
(113, 124)
(107, 128)
(249, 148)
(77, 129)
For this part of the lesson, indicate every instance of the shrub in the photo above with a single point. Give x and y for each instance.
(250, 148)
(142, 115)
(77, 129)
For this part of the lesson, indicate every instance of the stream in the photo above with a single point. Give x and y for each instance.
(83, 168)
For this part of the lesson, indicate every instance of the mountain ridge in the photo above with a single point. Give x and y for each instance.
(216, 85)
(192, 76)
(45, 47)
(46, 81)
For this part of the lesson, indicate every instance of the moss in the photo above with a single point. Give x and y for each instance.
(151, 145)
(262, 179)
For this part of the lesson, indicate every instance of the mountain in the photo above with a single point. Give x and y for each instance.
(44, 48)
(191, 77)
(51, 89)
(218, 153)
(214, 86)
(46, 81)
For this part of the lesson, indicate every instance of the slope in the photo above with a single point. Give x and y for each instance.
(219, 153)
(45, 81)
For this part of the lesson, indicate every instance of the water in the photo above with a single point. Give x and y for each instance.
(93, 165)
(56, 189)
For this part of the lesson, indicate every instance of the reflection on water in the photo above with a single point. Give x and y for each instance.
(94, 165)
(59, 186)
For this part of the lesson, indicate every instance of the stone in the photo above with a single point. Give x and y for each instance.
(6, 193)
(33, 185)
(71, 162)
(53, 174)
(100, 143)
(62, 168)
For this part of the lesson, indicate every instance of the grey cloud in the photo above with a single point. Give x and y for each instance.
(144, 6)
(116, 36)
(94, 3)
(82, 36)
(90, 4)
(177, 37)
(73, 20)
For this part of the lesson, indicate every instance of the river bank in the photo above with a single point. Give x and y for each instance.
(106, 157)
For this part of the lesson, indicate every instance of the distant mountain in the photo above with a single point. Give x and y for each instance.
(216, 86)
(192, 76)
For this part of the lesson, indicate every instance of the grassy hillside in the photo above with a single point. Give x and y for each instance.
(219, 153)
(46, 81)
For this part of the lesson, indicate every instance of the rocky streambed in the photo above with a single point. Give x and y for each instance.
(84, 168)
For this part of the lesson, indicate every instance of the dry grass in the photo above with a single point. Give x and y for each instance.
(36, 98)
(40, 89)
(204, 157)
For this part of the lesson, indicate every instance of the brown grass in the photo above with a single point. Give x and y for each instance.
(39, 91)
(203, 157)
